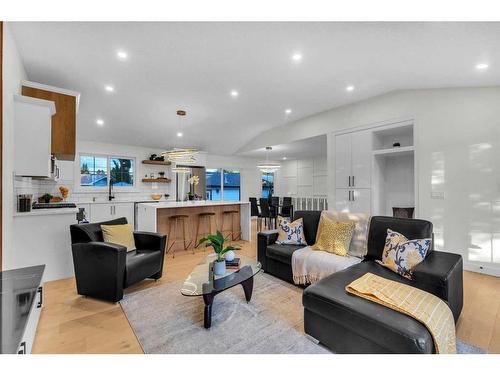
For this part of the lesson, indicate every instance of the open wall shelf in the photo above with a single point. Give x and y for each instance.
(156, 162)
(394, 172)
(159, 180)
(394, 151)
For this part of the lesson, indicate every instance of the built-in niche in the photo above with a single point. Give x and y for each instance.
(393, 168)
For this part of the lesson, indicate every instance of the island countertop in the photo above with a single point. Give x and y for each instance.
(154, 217)
(174, 204)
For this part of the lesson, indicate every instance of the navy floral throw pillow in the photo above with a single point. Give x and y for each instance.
(290, 233)
(402, 255)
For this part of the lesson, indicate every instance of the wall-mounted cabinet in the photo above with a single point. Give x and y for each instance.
(32, 136)
(353, 160)
(375, 169)
(63, 135)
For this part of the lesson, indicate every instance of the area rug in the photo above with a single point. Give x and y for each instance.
(166, 322)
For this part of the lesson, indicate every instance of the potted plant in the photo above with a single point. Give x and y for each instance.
(46, 198)
(217, 242)
(161, 174)
(193, 181)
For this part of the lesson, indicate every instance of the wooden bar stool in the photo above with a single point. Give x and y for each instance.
(174, 222)
(232, 230)
(205, 218)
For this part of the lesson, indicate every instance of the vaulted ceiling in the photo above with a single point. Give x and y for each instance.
(196, 66)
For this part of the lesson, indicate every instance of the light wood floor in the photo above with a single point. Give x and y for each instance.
(72, 324)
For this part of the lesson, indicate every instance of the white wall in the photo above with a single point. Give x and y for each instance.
(13, 73)
(302, 178)
(250, 176)
(457, 137)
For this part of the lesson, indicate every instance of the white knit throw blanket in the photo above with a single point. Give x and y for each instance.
(309, 266)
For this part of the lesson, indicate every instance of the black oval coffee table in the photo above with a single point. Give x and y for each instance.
(202, 282)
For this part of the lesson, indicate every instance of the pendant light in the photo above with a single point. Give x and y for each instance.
(268, 167)
(179, 155)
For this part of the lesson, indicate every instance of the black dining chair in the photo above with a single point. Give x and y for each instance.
(266, 213)
(275, 205)
(254, 212)
(286, 208)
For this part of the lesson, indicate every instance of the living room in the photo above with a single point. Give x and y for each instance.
(345, 174)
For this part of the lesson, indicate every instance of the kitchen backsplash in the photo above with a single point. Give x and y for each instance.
(142, 191)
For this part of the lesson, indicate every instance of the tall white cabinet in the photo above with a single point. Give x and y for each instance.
(375, 169)
(353, 162)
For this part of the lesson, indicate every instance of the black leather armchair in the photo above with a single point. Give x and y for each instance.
(104, 269)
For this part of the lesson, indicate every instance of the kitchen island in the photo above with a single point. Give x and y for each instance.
(154, 217)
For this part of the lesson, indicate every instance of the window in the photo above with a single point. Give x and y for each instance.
(214, 187)
(93, 171)
(122, 172)
(223, 185)
(232, 188)
(96, 171)
(267, 184)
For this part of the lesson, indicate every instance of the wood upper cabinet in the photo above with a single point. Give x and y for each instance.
(63, 141)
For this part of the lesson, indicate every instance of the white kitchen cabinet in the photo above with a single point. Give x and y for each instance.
(353, 160)
(109, 211)
(361, 159)
(342, 200)
(342, 161)
(361, 201)
(353, 200)
(32, 136)
(124, 210)
(101, 212)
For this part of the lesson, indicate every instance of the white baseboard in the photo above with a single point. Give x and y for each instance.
(487, 269)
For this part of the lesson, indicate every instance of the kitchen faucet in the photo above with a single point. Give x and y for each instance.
(110, 195)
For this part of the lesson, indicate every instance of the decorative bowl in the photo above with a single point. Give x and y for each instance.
(156, 197)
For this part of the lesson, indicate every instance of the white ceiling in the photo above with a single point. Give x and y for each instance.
(304, 149)
(194, 66)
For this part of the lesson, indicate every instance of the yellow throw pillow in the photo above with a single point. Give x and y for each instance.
(334, 236)
(122, 234)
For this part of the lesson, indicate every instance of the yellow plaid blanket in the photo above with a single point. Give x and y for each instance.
(425, 307)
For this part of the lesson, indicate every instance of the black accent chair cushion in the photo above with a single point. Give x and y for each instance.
(103, 270)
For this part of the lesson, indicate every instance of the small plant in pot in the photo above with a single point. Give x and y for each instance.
(46, 198)
(217, 242)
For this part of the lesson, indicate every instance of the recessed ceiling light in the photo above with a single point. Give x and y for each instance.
(122, 55)
(234, 93)
(284, 157)
(288, 111)
(482, 66)
(99, 122)
(349, 88)
(109, 88)
(179, 134)
(297, 57)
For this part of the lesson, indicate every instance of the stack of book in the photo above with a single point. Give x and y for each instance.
(233, 264)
